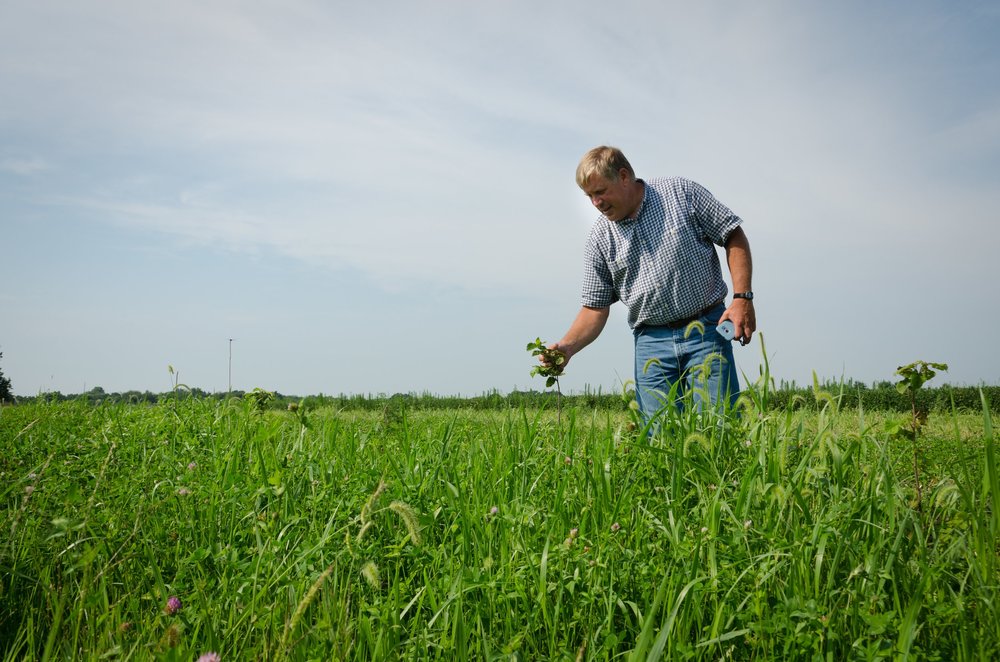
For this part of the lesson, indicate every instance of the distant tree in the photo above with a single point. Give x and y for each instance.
(5, 393)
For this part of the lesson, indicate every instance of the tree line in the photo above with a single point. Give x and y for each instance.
(5, 393)
(882, 396)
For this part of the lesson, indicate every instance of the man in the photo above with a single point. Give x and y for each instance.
(653, 249)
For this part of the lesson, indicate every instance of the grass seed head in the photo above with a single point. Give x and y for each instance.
(172, 636)
(307, 600)
(370, 572)
(409, 517)
(366, 510)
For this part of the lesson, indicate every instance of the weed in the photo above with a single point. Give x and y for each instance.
(914, 376)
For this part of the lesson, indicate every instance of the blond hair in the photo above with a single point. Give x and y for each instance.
(603, 161)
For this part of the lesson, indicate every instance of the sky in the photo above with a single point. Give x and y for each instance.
(372, 198)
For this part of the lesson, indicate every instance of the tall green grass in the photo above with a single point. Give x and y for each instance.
(774, 534)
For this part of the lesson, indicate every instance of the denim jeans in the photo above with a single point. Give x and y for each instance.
(701, 363)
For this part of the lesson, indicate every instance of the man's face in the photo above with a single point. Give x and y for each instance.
(612, 197)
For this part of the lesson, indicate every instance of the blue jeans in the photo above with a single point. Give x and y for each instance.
(701, 363)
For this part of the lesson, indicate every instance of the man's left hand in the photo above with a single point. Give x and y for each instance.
(741, 314)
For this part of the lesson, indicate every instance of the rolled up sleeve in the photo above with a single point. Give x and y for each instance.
(598, 286)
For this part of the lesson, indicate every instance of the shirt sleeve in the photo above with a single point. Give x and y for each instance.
(715, 219)
(598, 286)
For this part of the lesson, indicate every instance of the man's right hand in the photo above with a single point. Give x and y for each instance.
(547, 360)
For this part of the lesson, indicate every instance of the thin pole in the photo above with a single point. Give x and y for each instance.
(230, 366)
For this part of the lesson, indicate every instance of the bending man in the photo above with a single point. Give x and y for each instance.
(653, 249)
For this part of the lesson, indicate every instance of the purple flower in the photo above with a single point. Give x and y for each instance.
(183, 492)
(192, 466)
(615, 527)
(211, 656)
(173, 605)
(494, 510)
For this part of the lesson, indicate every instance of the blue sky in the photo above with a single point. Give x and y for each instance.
(379, 197)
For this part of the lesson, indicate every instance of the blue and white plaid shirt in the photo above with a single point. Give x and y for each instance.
(662, 264)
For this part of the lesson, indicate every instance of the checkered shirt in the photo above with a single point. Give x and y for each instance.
(662, 264)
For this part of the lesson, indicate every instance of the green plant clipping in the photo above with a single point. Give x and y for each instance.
(258, 399)
(552, 362)
(916, 374)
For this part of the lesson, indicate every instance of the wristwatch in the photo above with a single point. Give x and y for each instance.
(743, 295)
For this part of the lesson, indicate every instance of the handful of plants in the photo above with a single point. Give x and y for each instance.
(552, 361)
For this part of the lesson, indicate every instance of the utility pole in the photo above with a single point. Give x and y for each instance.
(230, 366)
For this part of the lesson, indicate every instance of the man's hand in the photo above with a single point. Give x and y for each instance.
(552, 362)
(741, 314)
(546, 357)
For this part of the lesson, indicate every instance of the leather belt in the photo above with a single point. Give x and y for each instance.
(681, 324)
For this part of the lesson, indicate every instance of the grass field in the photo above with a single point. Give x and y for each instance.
(169, 531)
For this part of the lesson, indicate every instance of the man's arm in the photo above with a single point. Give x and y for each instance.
(584, 330)
(740, 311)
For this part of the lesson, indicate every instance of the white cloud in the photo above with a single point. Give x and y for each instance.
(23, 166)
